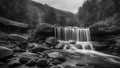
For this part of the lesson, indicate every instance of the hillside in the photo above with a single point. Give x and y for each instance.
(32, 13)
(103, 18)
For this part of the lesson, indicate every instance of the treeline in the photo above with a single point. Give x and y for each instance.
(32, 13)
(94, 11)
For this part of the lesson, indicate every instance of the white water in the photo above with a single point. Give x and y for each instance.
(83, 45)
(74, 34)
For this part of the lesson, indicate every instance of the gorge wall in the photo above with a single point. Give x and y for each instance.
(102, 16)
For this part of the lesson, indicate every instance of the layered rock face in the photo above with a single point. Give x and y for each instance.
(106, 33)
(10, 26)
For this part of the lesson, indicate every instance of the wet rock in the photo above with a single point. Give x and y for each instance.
(31, 63)
(8, 22)
(81, 64)
(56, 62)
(10, 26)
(61, 59)
(24, 66)
(43, 31)
(47, 45)
(55, 55)
(24, 59)
(17, 49)
(3, 35)
(14, 63)
(52, 41)
(116, 50)
(17, 37)
(32, 45)
(117, 47)
(39, 49)
(100, 46)
(27, 56)
(68, 66)
(56, 67)
(60, 46)
(42, 63)
(5, 52)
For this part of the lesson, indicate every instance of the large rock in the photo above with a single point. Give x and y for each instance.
(52, 41)
(43, 30)
(17, 37)
(42, 63)
(99, 46)
(56, 67)
(55, 55)
(8, 22)
(31, 63)
(14, 62)
(5, 52)
(10, 26)
(3, 35)
(60, 46)
(27, 56)
(39, 49)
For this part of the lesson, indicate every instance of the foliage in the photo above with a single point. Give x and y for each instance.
(33, 13)
(94, 11)
(50, 16)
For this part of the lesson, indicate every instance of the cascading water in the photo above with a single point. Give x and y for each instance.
(74, 34)
(77, 41)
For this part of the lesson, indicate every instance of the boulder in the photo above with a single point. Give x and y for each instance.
(61, 59)
(42, 62)
(56, 67)
(46, 45)
(17, 37)
(100, 46)
(44, 28)
(68, 66)
(43, 31)
(27, 56)
(3, 35)
(25, 59)
(39, 49)
(8, 22)
(81, 64)
(56, 62)
(116, 47)
(55, 55)
(5, 52)
(51, 40)
(60, 46)
(13, 63)
(31, 63)
(10, 26)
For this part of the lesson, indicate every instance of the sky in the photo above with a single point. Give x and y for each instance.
(68, 5)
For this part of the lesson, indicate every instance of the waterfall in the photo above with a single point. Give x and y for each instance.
(74, 34)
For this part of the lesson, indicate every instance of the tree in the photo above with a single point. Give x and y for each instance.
(94, 11)
(62, 21)
(9, 8)
(50, 16)
(88, 12)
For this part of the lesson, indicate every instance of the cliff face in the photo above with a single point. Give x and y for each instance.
(102, 16)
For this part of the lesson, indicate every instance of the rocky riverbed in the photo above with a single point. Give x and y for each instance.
(50, 54)
(41, 50)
